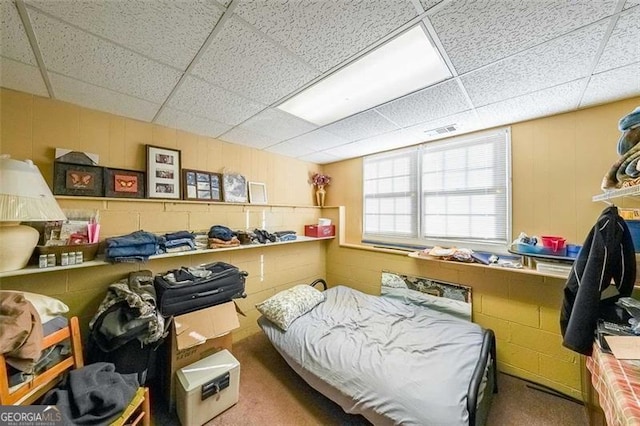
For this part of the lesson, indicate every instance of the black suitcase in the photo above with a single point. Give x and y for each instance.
(225, 283)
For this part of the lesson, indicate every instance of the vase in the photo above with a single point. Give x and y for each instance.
(320, 194)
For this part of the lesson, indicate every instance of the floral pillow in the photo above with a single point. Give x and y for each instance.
(286, 306)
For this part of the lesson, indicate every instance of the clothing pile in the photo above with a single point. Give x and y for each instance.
(177, 242)
(220, 236)
(626, 171)
(134, 247)
(21, 336)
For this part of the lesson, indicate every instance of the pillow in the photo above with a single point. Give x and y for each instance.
(286, 306)
(46, 306)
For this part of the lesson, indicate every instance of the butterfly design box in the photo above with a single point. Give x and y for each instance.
(121, 183)
(77, 179)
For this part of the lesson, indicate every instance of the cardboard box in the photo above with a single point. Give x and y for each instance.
(319, 231)
(195, 336)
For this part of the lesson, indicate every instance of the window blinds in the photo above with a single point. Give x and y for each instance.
(447, 191)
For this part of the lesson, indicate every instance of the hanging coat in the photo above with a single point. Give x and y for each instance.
(604, 271)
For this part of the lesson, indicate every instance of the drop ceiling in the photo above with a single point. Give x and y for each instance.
(220, 68)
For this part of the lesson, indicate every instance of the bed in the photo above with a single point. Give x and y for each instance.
(401, 358)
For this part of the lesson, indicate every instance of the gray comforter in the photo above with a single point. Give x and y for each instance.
(393, 359)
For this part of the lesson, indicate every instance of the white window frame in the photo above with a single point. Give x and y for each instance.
(417, 240)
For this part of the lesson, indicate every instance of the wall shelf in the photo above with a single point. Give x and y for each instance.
(29, 270)
(629, 191)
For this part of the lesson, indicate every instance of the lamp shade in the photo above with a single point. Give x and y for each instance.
(24, 194)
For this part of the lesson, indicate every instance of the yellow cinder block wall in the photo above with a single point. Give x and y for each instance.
(31, 127)
(557, 166)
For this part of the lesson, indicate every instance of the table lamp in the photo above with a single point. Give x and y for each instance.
(24, 197)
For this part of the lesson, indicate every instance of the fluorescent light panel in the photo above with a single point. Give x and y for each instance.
(405, 64)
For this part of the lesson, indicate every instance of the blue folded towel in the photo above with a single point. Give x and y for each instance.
(628, 140)
(629, 120)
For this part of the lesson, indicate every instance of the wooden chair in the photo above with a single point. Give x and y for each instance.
(138, 411)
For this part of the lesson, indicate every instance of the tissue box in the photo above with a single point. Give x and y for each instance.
(319, 231)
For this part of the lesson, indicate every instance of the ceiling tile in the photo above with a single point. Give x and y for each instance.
(90, 96)
(77, 54)
(361, 126)
(25, 78)
(631, 3)
(613, 85)
(433, 102)
(269, 75)
(476, 33)
(554, 100)
(190, 123)
(246, 137)
(392, 140)
(564, 59)
(168, 31)
(428, 4)
(623, 46)
(206, 100)
(290, 149)
(319, 158)
(318, 140)
(13, 38)
(279, 124)
(325, 33)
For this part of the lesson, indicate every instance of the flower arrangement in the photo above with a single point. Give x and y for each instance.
(318, 179)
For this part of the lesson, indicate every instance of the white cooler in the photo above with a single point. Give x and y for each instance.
(207, 387)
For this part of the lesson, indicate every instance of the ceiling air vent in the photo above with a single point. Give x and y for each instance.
(442, 130)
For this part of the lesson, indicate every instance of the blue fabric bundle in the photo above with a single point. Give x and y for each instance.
(629, 121)
(134, 247)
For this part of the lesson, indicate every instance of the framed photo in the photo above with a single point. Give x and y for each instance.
(120, 183)
(163, 172)
(235, 188)
(77, 179)
(199, 185)
(257, 193)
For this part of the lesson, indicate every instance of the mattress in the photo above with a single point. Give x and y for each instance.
(392, 359)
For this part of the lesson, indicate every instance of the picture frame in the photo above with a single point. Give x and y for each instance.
(163, 172)
(257, 193)
(201, 186)
(77, 179)
(235, 188)
(122, 183)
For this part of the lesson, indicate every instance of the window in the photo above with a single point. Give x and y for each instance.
(454, 192)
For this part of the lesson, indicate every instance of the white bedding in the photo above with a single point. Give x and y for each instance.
(391, 359)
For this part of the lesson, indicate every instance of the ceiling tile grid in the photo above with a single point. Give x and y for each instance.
(181, 120)
(13, 38)
(271, 73)
(25, 78)
(90, 96)
(361, 126)
(623, 46)
(80, 55)
(613, 85)
(325, 33)
(514, 60)
(563, 59)
(167, 31)
(208, 101)
(427, 104)
(476, 33)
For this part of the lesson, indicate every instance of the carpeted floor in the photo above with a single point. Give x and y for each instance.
(272, 394)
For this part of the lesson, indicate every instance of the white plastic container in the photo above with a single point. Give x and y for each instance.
(207, 387)
(323, 221)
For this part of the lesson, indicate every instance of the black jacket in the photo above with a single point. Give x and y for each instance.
(605, 262)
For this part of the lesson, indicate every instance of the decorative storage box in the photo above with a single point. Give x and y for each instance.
(207, 387)
(319, 231)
